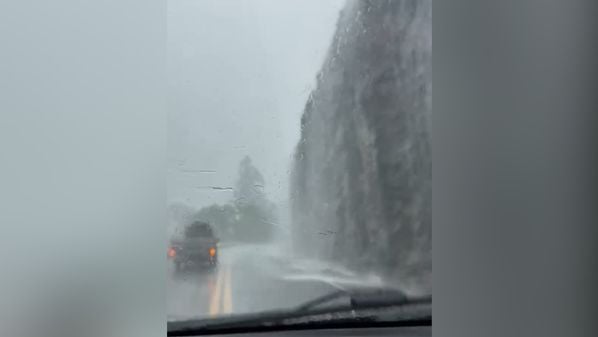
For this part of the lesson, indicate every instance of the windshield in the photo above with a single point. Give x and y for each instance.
(198, 229)
(299, 148)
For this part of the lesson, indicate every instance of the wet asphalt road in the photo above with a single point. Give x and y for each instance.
(249, 278)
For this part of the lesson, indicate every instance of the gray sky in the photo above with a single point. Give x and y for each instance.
(240, 72)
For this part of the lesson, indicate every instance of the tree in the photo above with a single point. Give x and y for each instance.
(251, 216)
(221, 217)
(250, 185)
(255, 213)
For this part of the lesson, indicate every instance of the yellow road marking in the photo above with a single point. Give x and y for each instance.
(228, 302)
(215, 297)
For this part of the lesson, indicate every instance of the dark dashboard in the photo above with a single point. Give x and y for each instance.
(384, 331)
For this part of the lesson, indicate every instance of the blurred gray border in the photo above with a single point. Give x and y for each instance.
(514, 239)
(514, 234)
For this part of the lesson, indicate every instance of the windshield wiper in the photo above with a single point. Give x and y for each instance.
(362, 298)
(367, 307)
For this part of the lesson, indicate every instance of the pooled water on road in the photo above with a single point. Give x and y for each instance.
(253, 278)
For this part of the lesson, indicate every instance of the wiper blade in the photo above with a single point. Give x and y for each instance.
(367, 307)
(364, 298)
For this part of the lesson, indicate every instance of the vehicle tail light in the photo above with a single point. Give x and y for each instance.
(171, 252)
(212, 251)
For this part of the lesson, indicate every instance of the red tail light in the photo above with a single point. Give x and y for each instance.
(171, 252)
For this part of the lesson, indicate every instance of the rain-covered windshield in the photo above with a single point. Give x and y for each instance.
(298, 152)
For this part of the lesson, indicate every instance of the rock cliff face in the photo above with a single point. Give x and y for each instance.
(362, 173)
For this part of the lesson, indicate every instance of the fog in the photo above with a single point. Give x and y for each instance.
(300, 132)
(239, 74)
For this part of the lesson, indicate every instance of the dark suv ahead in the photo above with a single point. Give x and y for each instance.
(198, 248)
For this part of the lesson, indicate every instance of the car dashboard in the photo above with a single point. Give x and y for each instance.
(419, 331)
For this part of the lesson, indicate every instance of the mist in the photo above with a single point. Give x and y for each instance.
(239, 75)
(299, 132)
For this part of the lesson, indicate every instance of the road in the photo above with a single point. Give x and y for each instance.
(250, 278)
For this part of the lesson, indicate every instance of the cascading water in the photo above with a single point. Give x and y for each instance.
(361, 180)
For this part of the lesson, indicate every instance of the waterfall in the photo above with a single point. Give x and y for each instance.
(362, 172)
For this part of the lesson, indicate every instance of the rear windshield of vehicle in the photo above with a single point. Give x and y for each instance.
(199, 230)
